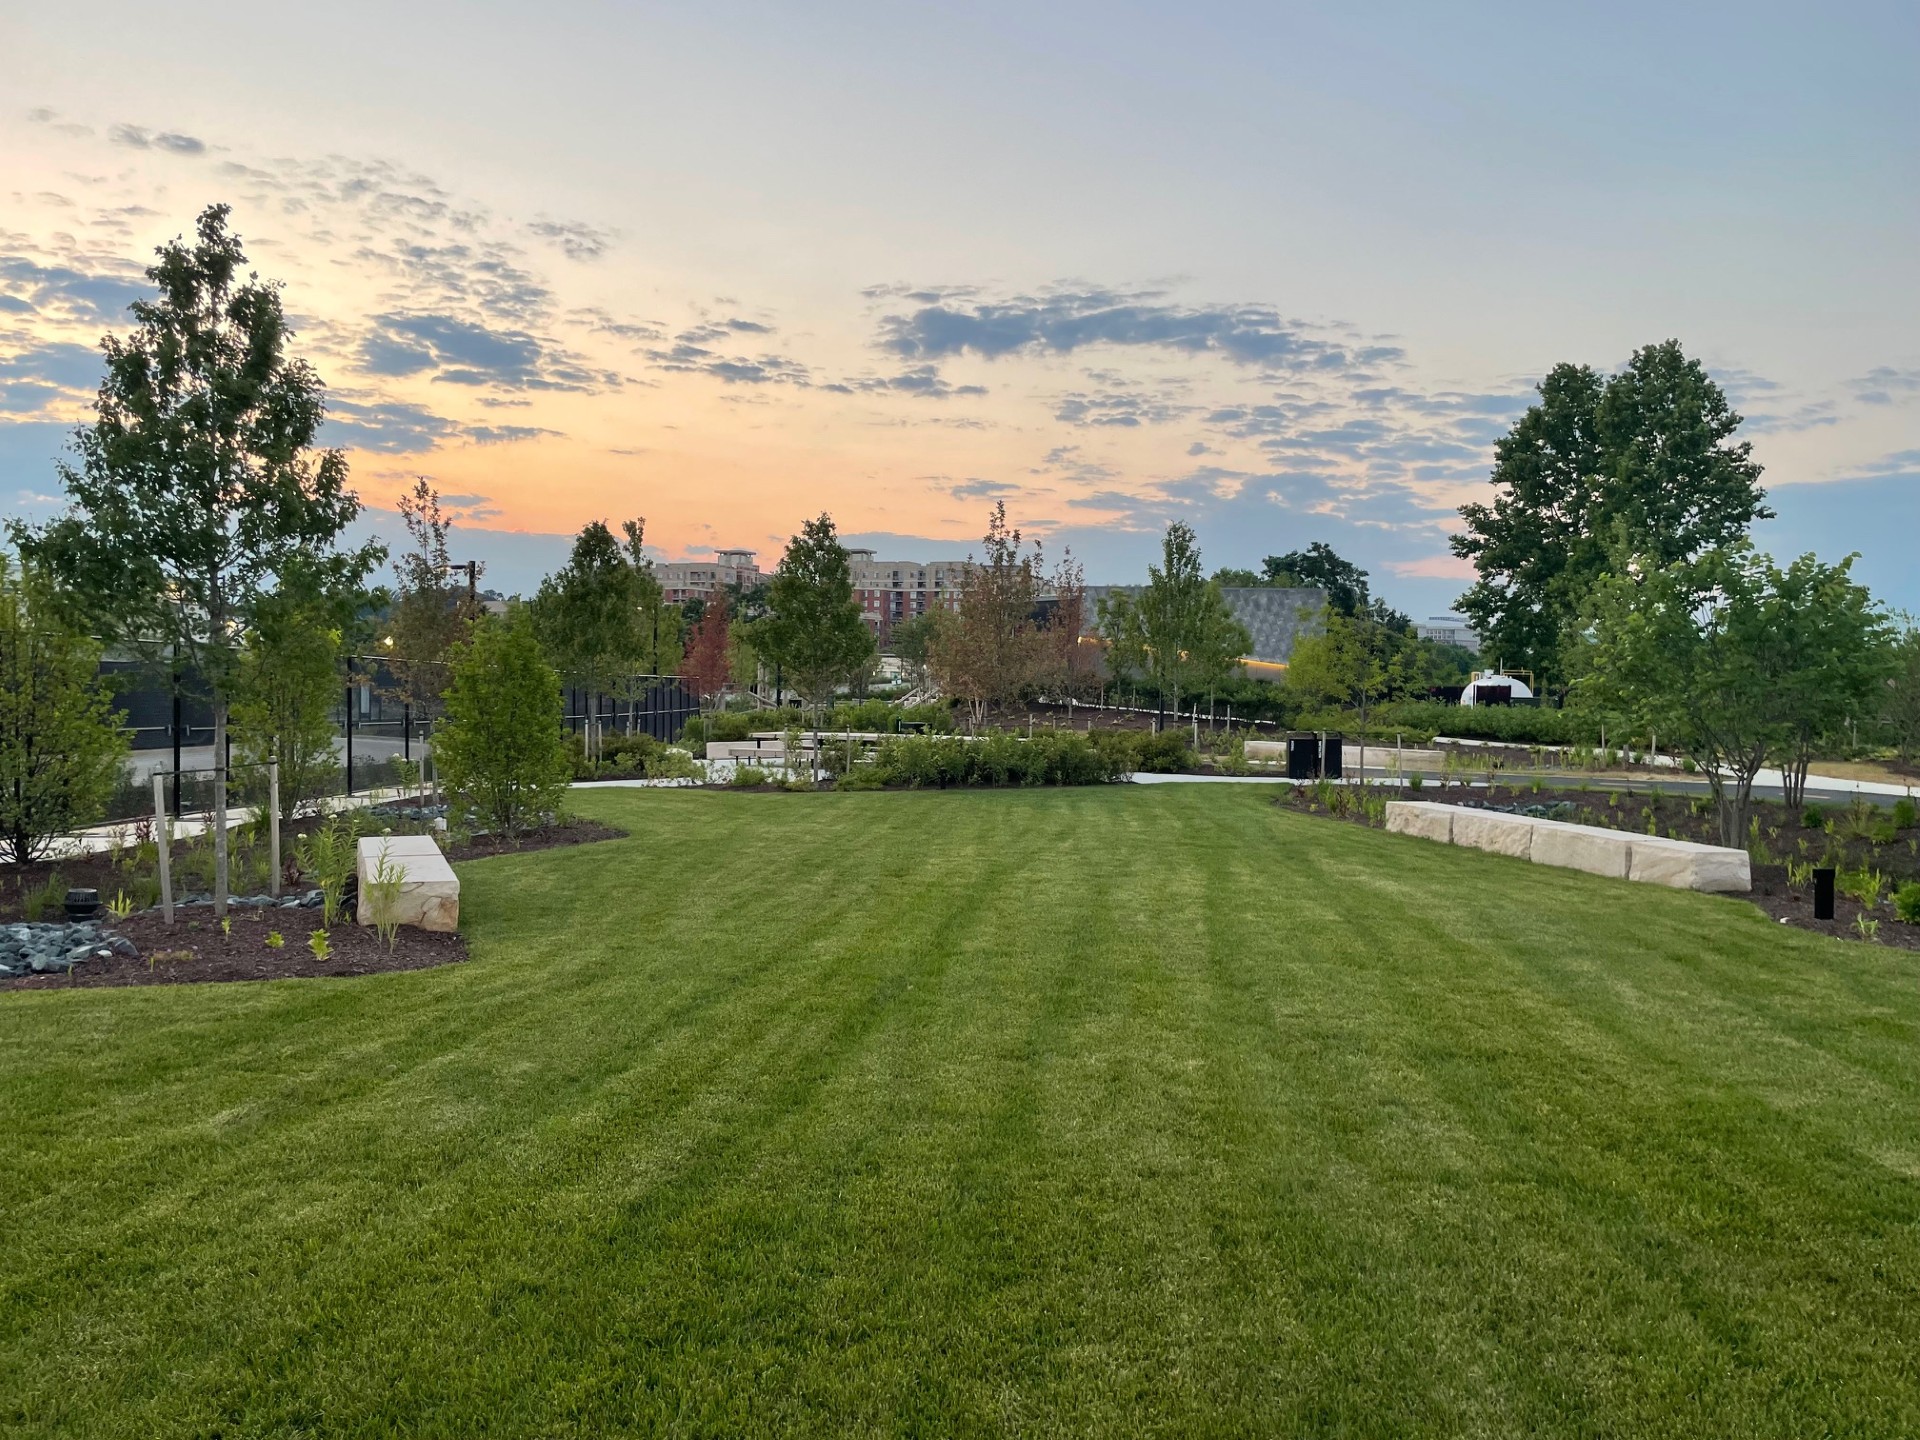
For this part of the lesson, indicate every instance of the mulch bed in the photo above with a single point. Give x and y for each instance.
(568, 832)
(1781, 831)
(1773, 894)
(195, 949)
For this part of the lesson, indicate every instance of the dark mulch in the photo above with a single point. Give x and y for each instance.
(97, 872)
(1773, 894)
(195, 949)
(567, 832)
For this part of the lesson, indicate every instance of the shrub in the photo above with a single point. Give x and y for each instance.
(1906, 902)
(1904, 813)
(732, 725)
(1167, 752)
(1813, 818)
(694, 732)
(999, 758)
(747, 776)
(673, 764)
(500, 746)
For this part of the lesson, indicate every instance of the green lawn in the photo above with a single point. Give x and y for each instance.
(1101, 1111)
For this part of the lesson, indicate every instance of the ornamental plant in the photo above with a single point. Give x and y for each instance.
(500, 747)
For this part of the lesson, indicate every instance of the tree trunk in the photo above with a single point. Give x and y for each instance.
(219, 805)
(1735, 797)
(1793, 777)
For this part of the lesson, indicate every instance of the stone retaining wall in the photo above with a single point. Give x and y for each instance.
(1617, 854)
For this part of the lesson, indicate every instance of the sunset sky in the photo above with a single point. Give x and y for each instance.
(1284, 271)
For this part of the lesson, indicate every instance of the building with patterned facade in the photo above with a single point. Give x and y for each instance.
(683, 580)
(890, 591)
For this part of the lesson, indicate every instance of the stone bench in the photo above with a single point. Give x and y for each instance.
(429, 890)
(1617, 854)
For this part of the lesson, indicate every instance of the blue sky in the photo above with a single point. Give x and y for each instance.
(1282, 271)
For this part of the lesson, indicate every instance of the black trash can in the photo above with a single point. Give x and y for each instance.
(1303, 757)
(1330, 758)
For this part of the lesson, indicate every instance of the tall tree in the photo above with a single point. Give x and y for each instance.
(1645, 459)
(1070, 663)
(1900, 699)
(1177, 632)
(198, 483)
(1838, 657)
(60, 740)
(813, 630)
(705, 667)
(1701, 652)
(988, 653)
(1358, 661)
(431, 610)
(599, 616)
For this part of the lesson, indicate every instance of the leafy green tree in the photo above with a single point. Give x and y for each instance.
(1701, 652)
(285, 688)
(60, 740)
(500, 747)
(913, 641)
(813, 630)
(1645, 459)
(602, 616)
(989, 652)
(1177, 632)
(1837, 663)
(1356, 661)
(198, 483)
(1320, 567)
(1900, 699)
(431, 610)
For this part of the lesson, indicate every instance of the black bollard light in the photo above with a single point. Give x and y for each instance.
(82, 904)
(1823, 893)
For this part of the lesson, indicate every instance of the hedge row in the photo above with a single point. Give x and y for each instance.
(998, 758)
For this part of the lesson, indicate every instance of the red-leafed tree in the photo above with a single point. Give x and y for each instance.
(705, 666)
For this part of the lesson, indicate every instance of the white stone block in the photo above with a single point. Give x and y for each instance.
(1422, 818)
(429, 890)
(1581, 847)
(1684, 865)
(1494, 832)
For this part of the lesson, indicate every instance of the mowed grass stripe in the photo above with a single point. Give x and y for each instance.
(1100, 1111)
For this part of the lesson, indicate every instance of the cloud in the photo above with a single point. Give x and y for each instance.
(41, 115)
(921, 380)
(505, 434)
(1434, 567)
(686, 356)
(460, 351)
(977, 489)
(138, 137)
(1886, 385)
(389, 427)
(953, 323)
(43, 371)
(63, 292)
(1118, 405)
(577, 241)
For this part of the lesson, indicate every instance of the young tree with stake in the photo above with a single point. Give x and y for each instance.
(198, 483)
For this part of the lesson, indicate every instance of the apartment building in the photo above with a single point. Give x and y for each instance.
(889, 591)
(684, 579)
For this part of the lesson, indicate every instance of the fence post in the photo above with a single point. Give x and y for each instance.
(273, 827)
(349, 694)
(176, 743)
(161, 827)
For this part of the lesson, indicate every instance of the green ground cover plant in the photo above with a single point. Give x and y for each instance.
(1102, 1110)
